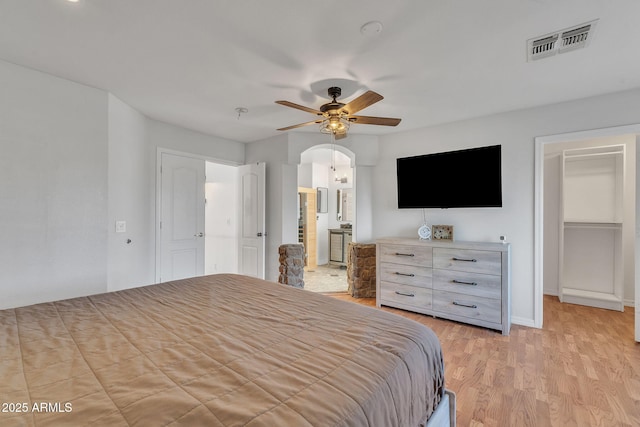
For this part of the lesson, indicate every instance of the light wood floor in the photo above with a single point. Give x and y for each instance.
(581, 369)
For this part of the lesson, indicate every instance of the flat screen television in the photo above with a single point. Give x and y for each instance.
(470, 178)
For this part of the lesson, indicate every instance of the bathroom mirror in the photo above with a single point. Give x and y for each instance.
(323, 199)
(345, 204)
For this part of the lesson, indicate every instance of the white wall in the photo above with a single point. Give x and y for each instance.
(165, 135)
(305, 175)
(131, 263)
(53, 188)
(363, 204)
(74, 160)
(515, 131)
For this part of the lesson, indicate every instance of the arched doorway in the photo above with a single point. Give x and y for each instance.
(326, 175)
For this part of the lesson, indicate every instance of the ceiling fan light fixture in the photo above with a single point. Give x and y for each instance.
(334, 125)
(335, 117)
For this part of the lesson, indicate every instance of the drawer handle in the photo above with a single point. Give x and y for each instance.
(405, 294)
(405, 274)
(465, 305)
(465, 259)
(401, 254)
(460, 282)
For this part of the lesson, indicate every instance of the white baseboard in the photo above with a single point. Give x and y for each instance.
(626, 302)
(522, 321)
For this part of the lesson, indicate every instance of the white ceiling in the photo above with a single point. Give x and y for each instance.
(191, 63)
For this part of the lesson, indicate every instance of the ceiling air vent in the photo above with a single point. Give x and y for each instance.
(561, 41)
(575, 38)
(543, 47)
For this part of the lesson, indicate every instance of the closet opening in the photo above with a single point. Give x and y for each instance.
(586, 192)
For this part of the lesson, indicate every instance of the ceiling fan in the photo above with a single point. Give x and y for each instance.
(335, 117)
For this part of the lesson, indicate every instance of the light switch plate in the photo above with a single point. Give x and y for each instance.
(121, 226)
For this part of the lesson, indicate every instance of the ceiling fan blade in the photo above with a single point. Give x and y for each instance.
(299, 107)
(301, 124)
(368, 120)
(363, 101)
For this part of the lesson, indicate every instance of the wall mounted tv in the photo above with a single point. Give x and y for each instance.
(470, 178)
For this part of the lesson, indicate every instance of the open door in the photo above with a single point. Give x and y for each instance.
(307, 229)
(252, 224)
(182, 207)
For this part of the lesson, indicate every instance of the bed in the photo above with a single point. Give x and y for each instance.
(220, 350)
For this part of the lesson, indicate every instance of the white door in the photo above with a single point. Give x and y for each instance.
(182, 208)
(252, 224)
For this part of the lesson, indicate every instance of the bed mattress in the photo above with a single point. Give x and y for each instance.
(221, 350)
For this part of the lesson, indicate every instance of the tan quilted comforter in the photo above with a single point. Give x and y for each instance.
(222, 350)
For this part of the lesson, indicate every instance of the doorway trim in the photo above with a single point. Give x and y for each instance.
(540, 143)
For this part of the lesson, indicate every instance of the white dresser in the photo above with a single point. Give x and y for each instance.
(468, 282)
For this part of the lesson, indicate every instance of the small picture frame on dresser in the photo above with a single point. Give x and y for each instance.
(442, 232)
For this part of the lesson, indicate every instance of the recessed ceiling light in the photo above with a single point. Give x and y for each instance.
(73, 1)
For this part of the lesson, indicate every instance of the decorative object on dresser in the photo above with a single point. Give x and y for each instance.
(468, 282)
(442, 232)
(424, 232)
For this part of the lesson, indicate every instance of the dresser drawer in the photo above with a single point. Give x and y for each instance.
(481, 285)
(405, 274)
(473, 307)
(392, 293)
(405, 254)
(473, 261)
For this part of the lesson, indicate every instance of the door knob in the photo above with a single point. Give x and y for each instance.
(199, 234)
